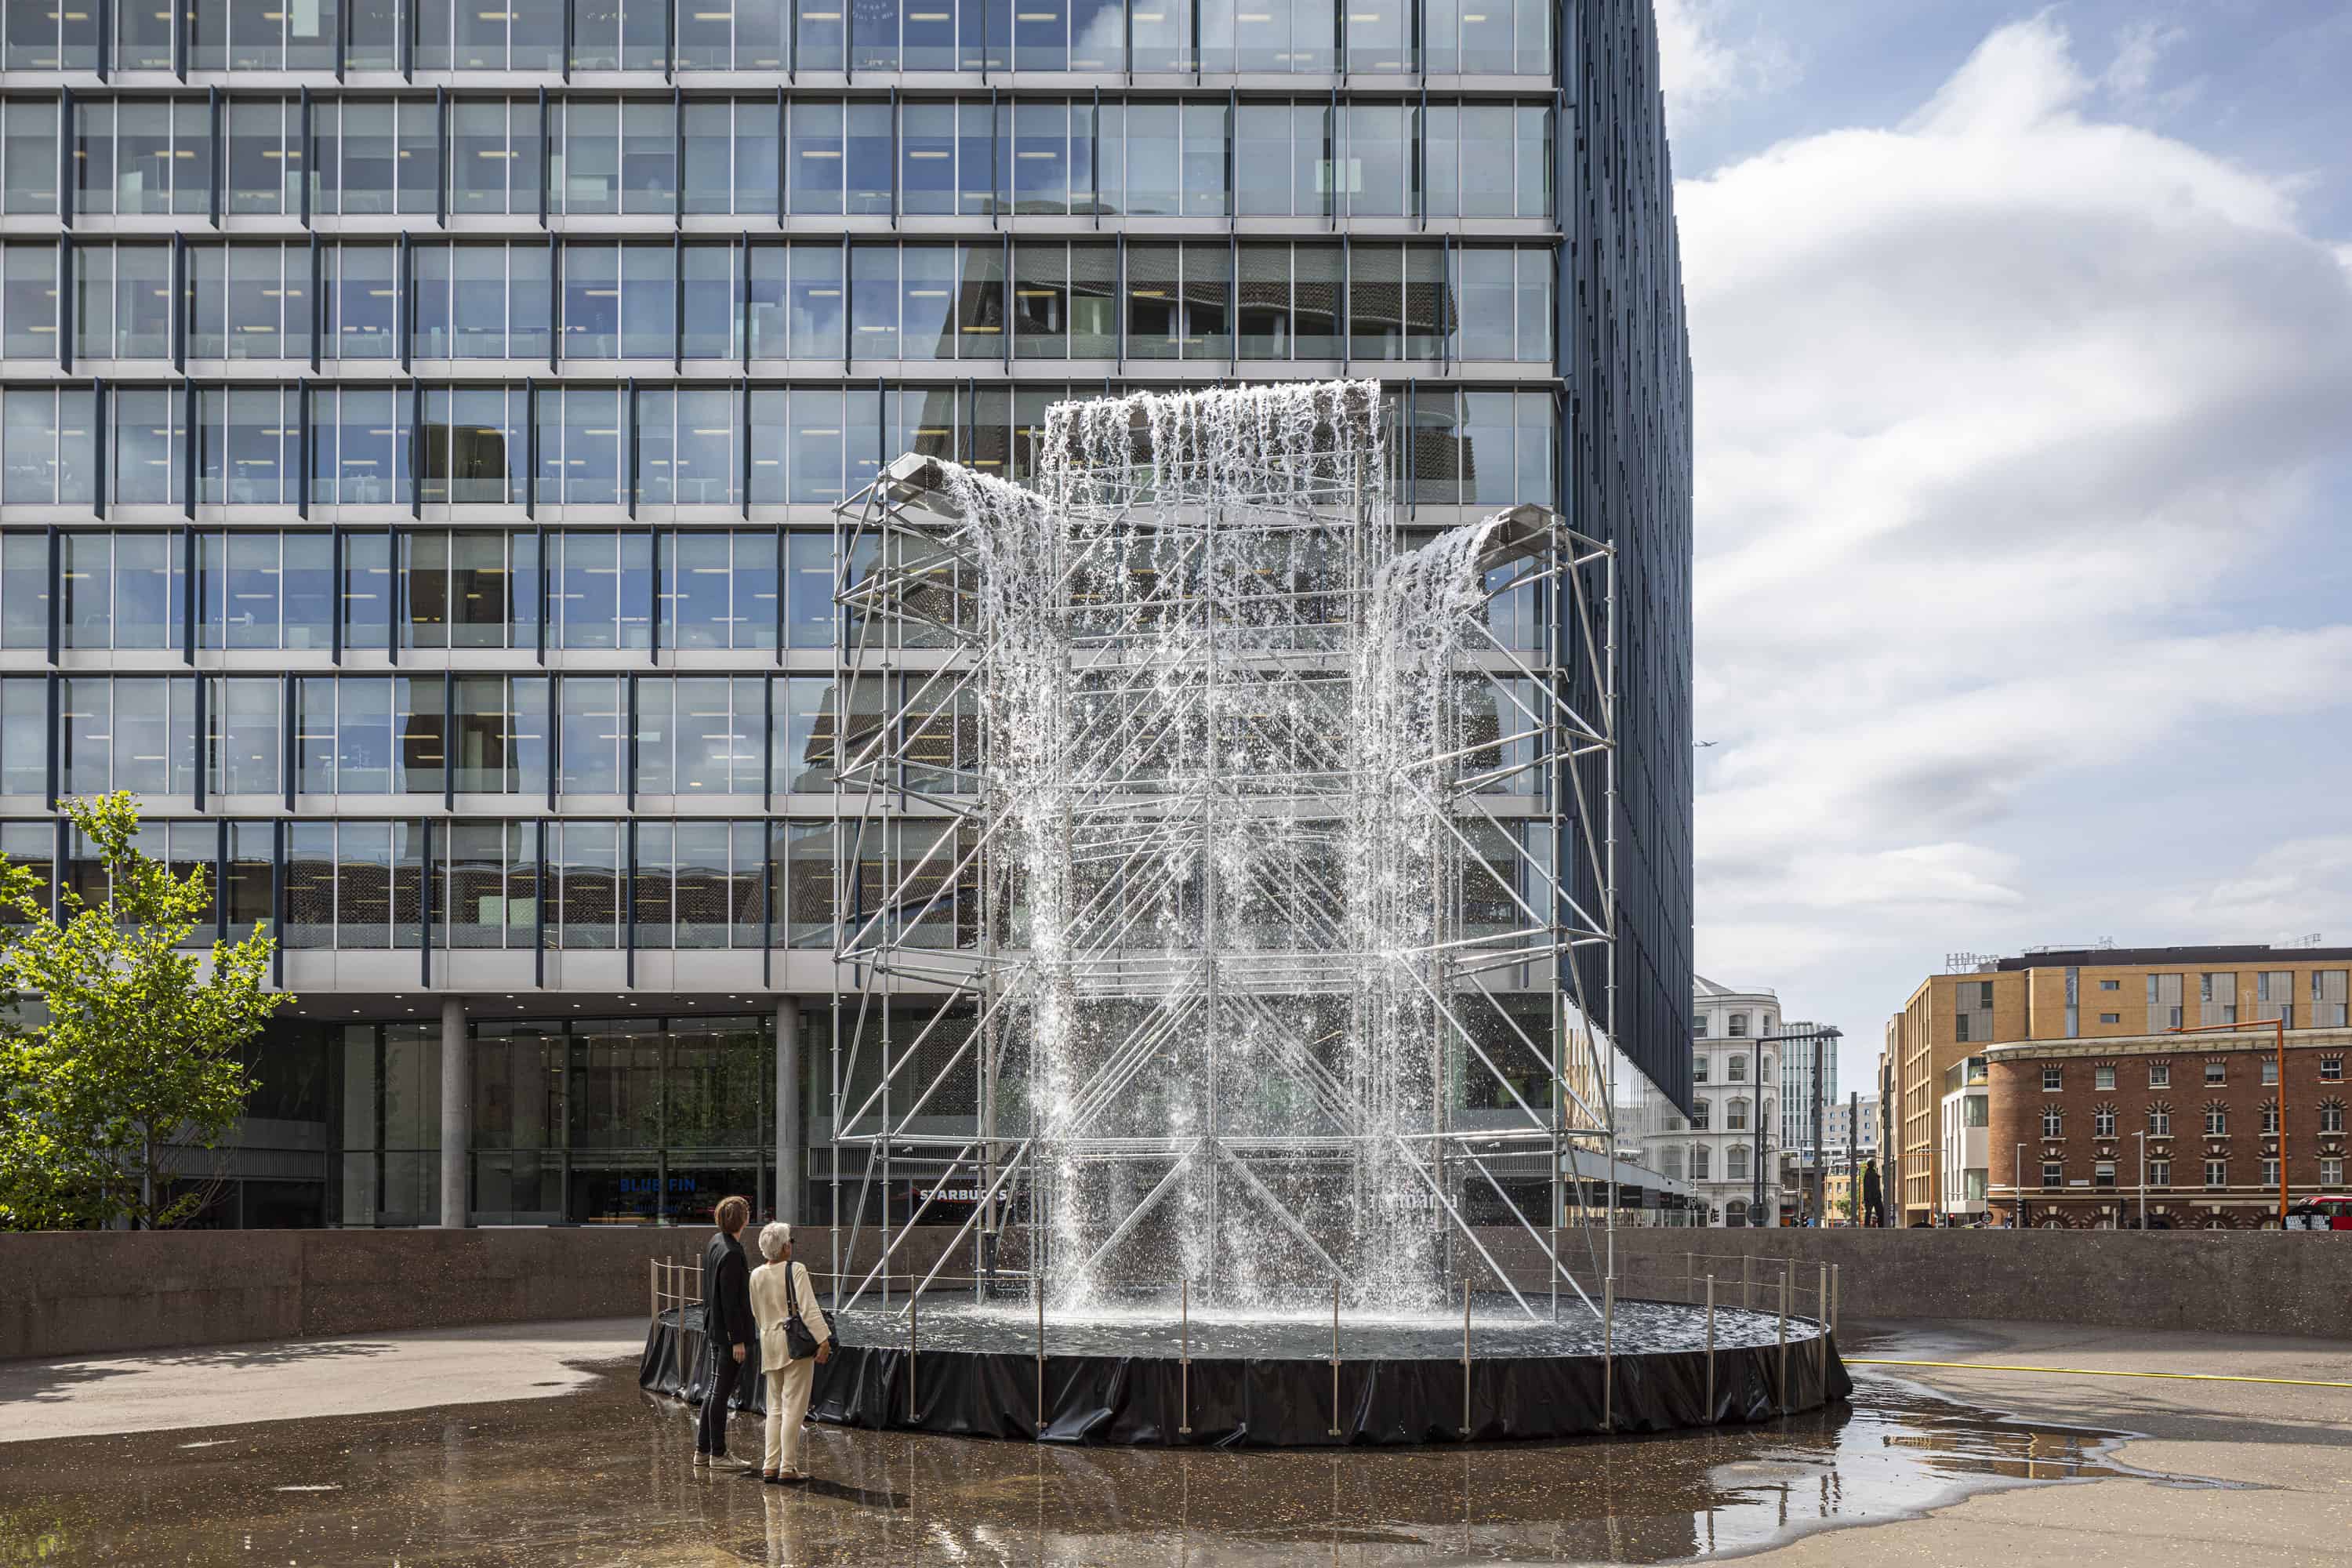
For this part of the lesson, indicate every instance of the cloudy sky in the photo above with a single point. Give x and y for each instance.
(2023, 342)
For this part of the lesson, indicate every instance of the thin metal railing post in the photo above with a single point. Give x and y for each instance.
(1784, 1339)
(1837, 1292)
(1185, 1359)
(653, 1282)
(1609, 1353)
(1822, 1339)
(1040, 1363)
(914, 1329)
(1465, 1361)
(1335, 1360)
(1710, 1350)
(1748, 1283)
(1690, 1276)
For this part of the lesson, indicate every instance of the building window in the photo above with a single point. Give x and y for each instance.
(1699, 1070)
(1735, 1163)
(1698, 1027)
(1972, 1110)
(2270, 1069)
(2331, 1172)
(2103, 1077)
(2111, 984)
(1972, 1184)
(2217, 1072)
(2053, 1078)
(2217, 1173)
(2159, 1173)
(2052, 1122)
(2159, 1075)
(2270, 1118)
(1699, 1163)
(2331, 1069)
(2111, 1017)
(2217, 1121)
(2054, 1173)
(1699, 1111)
(1735, 1116)
(1740, 1025)
(2331, 1116)
(2159, 1121)
(1960, 1028)
(2328, 998)
(2269, 1172)
(2103, 1175)
(2102, 1122)
(1738, 1069)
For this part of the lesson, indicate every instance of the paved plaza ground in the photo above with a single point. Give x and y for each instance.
(533, 1445)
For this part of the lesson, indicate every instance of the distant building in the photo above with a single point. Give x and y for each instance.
(1735, 1079)
(2072, 1052)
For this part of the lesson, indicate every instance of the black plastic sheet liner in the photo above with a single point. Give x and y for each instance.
(1251, 1403)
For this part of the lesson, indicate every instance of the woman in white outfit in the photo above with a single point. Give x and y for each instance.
(777, 1286)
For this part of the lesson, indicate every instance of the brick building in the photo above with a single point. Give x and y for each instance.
(2077, 1062)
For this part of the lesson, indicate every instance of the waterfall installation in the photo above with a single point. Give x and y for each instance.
(1229, 890)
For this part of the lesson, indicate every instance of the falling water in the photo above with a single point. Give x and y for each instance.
(1219, 706)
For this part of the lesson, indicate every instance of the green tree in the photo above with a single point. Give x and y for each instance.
(121, 1053)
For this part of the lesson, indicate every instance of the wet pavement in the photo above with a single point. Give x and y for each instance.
(603, 1476)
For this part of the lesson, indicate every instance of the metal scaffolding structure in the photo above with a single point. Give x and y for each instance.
(1140, 840)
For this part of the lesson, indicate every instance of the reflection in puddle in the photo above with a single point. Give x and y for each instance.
(603, 1475)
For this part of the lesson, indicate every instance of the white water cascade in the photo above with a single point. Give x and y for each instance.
(1221, 724)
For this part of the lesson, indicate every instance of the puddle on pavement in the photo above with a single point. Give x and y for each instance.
(603, 1475)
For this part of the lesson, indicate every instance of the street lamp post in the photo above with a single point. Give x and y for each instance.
(2017, 1178)
(2142, 1136)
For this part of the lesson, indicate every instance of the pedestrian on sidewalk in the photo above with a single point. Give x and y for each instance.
(795, 1337)
(727, 1327)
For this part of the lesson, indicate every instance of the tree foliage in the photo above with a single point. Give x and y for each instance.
(122, 1054)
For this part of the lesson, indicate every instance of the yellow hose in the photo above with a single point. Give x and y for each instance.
(2094, 1372)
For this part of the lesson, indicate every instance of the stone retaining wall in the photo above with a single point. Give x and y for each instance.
(80, 1292)
(68, 1293)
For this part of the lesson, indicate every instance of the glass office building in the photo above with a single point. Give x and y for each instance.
(420, 428)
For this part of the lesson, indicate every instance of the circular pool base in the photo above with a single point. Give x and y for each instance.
(1138, 1374)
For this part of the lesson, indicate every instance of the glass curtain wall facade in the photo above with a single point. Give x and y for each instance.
(420, 428)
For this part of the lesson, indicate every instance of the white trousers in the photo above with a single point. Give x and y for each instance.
(787, 1401)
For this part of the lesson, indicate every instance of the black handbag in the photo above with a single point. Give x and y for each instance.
(800, 1341)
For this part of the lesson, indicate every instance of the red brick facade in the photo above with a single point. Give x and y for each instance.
(2198, 1103)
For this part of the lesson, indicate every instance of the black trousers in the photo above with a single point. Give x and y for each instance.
(710, 1426)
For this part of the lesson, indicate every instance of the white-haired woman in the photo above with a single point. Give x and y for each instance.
(781, 1289)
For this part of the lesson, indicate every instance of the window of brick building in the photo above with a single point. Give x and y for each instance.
(2103, 1175)
(2052, 1122)
(2111, 1017)
(2217, 1072)
(2269, 1172)
(2217, 1120)
(2217, 1173)
(2054, 1173)
(2159, 1075)
(2104, 1076)
(2331, 1172)
(2331, 1069)
(2331, 1116)
(2270, 1118)
(2102, 1122)
(2270, 1069)
(2160, 1120)
(2159, 1173)
(2052, 1080)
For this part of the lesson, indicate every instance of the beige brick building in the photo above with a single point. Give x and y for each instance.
(2078, 1000)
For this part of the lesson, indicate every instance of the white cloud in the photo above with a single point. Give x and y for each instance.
(2003, 412)
(2275, 898)
(1700, 62)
